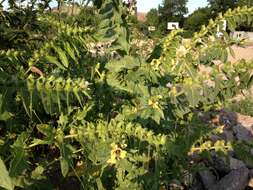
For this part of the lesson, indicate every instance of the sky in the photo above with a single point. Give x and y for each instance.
(146, 5)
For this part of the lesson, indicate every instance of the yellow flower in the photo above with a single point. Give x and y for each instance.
(237, 80)
(181, 51)
(174, 91)
(220, 129)
(154, 104)
(154, 101)
(117, 153)
(156, 63)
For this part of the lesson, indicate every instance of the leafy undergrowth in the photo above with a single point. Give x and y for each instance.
(244, 106)
(79, 108)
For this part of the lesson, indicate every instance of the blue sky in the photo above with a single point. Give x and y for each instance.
(146, 5)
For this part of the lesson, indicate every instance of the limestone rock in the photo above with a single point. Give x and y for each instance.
(197, 186)
(228, 135)
(251, 173)
(235, 180)
(235, 164)
(207, 178)
(220, 164)
(243, 132)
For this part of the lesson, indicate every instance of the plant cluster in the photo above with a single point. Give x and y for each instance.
(99, 121)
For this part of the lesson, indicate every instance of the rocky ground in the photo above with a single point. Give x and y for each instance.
(234, 172)
(241, 53)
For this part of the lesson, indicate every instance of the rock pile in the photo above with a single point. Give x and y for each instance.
(232, 172)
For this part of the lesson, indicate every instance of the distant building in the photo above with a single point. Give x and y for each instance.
(141, 16)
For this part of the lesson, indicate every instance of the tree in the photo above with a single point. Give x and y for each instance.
(198, 18)
(222, 5)
(152, 18)
(245, 2)
(173, 10)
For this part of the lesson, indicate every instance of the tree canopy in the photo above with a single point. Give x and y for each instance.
(197, 19)
(173, 10)
(152, 18)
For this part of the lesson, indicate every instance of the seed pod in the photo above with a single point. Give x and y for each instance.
(211, 22)
(36, 56)
(59, 84)
(50, 83)
(47, 45)
(40, 83)
(2, 52)
(68, 85)
(8, 53)
(30, 82)
(16, 54)
(59, 136)
(30, 63)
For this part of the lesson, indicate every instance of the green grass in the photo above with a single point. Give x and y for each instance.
(244, 106)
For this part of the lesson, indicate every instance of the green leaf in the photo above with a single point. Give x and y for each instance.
(4, 115)
(62, 56)
(37, 173)
(45, 129)
(70, 51)
(66, 157)
(19, 162)
(64, 166)
(54, 60)
(5, 180)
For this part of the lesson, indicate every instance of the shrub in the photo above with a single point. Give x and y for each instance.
(82, 108)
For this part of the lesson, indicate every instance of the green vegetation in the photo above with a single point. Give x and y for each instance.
(80, 109)
(175, 11)
(200, 17)
(244, 106)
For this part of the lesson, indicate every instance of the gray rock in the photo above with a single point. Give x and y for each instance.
(197, 186)
(215, 138)
(207, 178)
(235, 180)
(220, 164)
(243, 133)
(228, 135)
(251, 173)
(235, 164)
(176, 185)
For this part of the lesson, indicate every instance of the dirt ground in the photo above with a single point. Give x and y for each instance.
(242, 53)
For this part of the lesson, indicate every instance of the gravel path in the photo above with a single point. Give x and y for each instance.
(242, 53)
